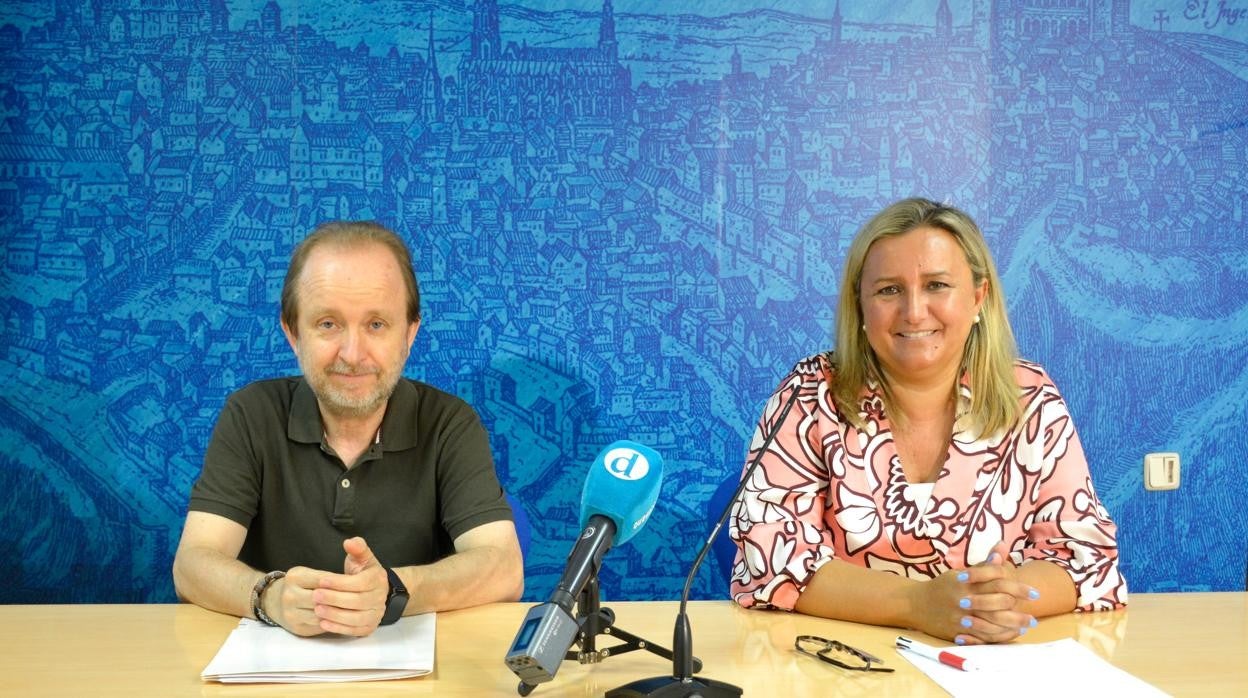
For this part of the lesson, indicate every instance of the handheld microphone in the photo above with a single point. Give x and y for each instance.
(620, 492)
(682, 683)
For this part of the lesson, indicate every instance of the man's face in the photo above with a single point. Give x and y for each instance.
(352, 336)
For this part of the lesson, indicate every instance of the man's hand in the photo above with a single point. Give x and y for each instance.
(289, 601)
(354, 602)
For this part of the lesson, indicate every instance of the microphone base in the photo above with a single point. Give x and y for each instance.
(672, 687)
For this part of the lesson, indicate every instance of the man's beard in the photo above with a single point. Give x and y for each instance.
(341, 404)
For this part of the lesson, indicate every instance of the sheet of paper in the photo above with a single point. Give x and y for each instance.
(1064, 667)
(257, 653)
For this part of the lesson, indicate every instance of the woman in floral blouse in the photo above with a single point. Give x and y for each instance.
(926, 477)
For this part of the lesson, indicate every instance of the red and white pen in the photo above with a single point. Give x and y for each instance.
(943, 656)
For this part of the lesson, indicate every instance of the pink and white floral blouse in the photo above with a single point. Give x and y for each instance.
(826, 490)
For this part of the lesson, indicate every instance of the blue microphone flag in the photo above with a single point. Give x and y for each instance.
(623, 485)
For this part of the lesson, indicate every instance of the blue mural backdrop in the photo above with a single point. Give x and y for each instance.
(628, 223)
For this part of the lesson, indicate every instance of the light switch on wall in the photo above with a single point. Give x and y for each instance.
(1161, 471)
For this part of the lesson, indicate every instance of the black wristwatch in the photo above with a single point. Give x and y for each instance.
(396, 600)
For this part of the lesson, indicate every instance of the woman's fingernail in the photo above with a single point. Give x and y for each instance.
(963, 576)
(960, 640)
(1033, 594)
(993, 558)
(1022, 631)
(966, 621)
(965, 602)
(1033, 622)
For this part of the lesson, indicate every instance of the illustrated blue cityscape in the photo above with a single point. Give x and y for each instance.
(626, 224)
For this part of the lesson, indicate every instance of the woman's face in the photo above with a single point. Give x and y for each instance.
(919, 302)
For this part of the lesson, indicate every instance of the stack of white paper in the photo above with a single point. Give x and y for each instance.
(1046, 669)
(257, 653)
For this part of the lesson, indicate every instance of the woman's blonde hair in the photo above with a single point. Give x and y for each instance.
(989, 355)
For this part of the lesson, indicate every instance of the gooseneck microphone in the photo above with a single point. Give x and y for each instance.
(620, 493)
(682, 682)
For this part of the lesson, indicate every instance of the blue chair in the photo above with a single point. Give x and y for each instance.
(524, 530)
(722, 548)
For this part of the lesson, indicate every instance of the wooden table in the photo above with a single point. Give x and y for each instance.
(1186, 644)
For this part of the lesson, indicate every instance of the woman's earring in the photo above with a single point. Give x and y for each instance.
(977, 317)
(864, 326)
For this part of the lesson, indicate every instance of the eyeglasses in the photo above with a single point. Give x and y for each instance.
(838, 653)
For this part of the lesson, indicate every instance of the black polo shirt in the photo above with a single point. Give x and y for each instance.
(426, 480)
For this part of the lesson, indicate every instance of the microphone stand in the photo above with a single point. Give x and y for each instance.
(682, 683)
(593, 619)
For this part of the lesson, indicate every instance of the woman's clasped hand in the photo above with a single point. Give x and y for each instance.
(984, 603)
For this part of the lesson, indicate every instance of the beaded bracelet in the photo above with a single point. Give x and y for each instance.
(258, 590)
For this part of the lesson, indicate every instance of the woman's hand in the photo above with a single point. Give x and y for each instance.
(994, 601)
(978, 605)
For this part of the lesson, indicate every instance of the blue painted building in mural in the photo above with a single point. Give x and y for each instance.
(627, 224)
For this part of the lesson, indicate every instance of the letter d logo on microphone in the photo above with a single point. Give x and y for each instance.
(626, 464)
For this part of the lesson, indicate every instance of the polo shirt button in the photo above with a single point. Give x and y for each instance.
(345, 483)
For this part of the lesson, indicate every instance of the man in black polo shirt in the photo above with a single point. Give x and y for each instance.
(342, 499)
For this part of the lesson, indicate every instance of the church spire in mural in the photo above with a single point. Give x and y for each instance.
(431, 96)
(606, 33)
(944, 20)
(485, 37)
(837, 22)
(218, 16)
(829, 44)
(271, 18)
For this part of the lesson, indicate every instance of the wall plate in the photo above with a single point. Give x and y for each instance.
(1161, 471)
